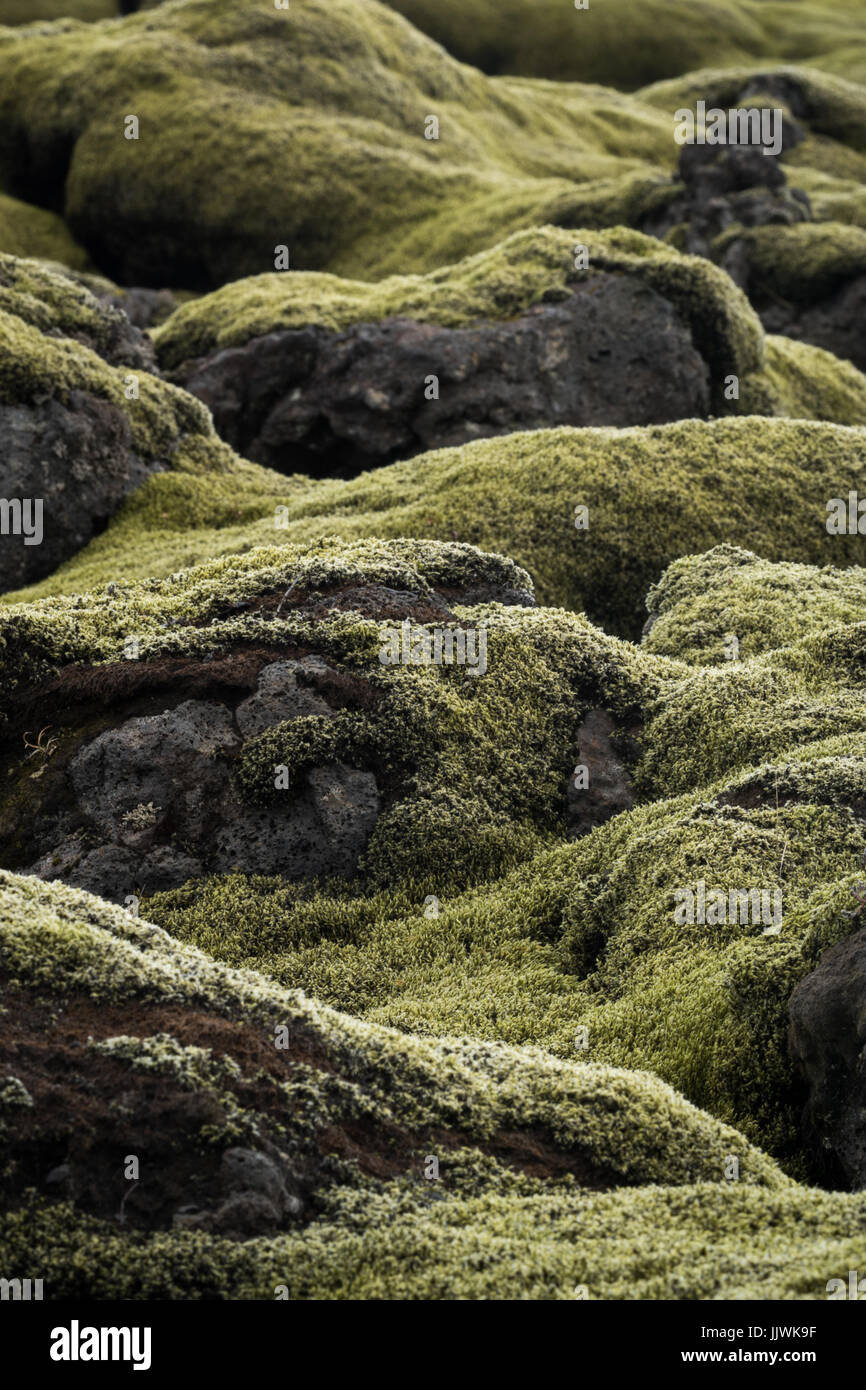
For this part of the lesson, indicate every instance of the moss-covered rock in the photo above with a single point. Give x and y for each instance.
(208, 80)
(621, 45)
(84, 419)
(31, 231)
(314, 373)
(703, 600)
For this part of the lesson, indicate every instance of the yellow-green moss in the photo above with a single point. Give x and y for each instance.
(804, 262)
(329, 84)
(26, 230)
(498, 284)
(166, 423)
(625, 45)
(653, 493)
(804, 382)
(701, 600)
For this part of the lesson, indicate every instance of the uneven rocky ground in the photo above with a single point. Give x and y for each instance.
(433, 636)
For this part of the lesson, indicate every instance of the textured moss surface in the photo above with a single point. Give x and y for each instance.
(349, 88)
(26, 230)
(481, 1230)
(54, 338)
(530, 267)
(208, 80)
(750, 774)
(653, 495)
(702, 599)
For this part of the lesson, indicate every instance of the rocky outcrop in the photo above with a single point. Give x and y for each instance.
(66, 467)
(332, 404)
(84, 420)
(153, 802)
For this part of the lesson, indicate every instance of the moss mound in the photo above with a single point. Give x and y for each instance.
(362, 82)
(57, 339)
(702, 599)
(750, 771)
(529, 267)
(805, 262)
(30, 231)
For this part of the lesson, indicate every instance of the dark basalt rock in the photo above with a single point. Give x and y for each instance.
(827, 1041)
(837, 322)
(729, 185)
(77, 458)
(151, 802)
(315, 401)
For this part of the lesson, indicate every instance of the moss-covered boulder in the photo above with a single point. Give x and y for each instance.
(339, 86)
(806, 281)
(702, 601)
(84, 419)
(31, 231)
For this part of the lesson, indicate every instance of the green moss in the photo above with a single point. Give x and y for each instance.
(31, 231)
(584, 936)
(708, 1241)
(804, 382)
(501, 283)
(209, 81)
(702, 599)
(805, 262)
(30, 11)
(620, 45)
(630, 1127)
(752, 481)
(836, 107)
(52, 330)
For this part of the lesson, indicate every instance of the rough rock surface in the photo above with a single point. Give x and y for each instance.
(158, 807)
(827, 1040)
(79, 459)
(608, 787)
(317, 402)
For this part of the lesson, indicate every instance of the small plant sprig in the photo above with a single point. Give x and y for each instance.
(45, 747)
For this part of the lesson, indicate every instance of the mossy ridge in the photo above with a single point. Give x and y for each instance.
(61, 303)
(727, 717)
(702, 600)
(804, 382)
(707, 1241)
(802, 263)
(632, 1127)
(501, 283)
(835, 108)
(621, 46)
(751, 481)
(38, 638)
(478, 762)
(32, 11)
